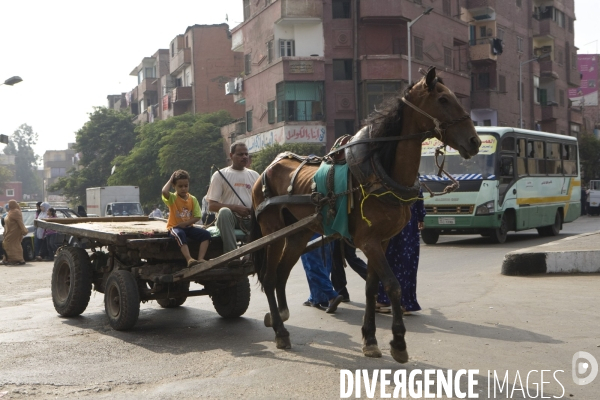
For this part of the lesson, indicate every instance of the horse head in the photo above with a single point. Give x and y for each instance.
(432, 97)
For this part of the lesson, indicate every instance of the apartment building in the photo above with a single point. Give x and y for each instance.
(528, 76)
(56, 165)
(200, 63)
(314, 69)
(142, 101)
(585, 97)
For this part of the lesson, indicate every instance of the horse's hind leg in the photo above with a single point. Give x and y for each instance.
(370, 347)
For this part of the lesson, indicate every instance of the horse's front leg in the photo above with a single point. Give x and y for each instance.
(378, 266)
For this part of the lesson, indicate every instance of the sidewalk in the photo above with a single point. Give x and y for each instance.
(575, 254)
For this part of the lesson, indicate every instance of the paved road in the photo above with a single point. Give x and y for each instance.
(472, 318)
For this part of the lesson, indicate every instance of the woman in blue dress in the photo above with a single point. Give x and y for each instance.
(403, 257)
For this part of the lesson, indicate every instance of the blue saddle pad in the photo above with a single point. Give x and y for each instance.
(338, 224)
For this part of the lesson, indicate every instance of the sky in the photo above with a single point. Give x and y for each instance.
(72, 54)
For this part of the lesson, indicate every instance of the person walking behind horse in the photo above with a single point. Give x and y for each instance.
(345, 250)
(156, 213)
(322, 294)
(184, 212)
(42, 251)
(14, 230)
(230, 196)
(403, 257)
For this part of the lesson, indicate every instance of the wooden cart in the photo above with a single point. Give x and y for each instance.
(133, 260)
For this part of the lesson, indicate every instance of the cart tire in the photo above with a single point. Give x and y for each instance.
(122, 300)
(233, 301)
(71, 282)
(173, 302)
(429, 236)
(28, 250)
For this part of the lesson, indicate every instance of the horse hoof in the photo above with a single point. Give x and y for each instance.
(285, 315)
(371, 350)
(283, 342)
(267, 320)
(400, 356)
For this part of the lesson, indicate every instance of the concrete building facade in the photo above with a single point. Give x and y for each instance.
(56, 165)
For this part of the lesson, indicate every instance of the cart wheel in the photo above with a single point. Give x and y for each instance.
(233, 301)
(71, 282)
(122, 300)
(173, 302)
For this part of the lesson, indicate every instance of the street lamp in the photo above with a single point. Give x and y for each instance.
(12, 81)
(408, 25)
(545, 55)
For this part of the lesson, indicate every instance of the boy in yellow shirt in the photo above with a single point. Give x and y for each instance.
(184, 212)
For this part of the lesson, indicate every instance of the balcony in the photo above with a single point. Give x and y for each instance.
(182, 59)
(378, 67)
(547, 28)
(478, 4)
(482, 50)
(575, 115)
(294, 11)
(380, 9)
(147, 85)
(573, 77)
(549, 112)
(303, 68)
(182, 94)
(486, 100)
(550, 69)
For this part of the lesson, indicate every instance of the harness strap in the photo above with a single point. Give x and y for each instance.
(307, 199)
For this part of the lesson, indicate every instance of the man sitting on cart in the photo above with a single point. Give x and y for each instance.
(184, 212)
(230, 196)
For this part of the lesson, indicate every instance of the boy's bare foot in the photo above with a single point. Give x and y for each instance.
(192, 262)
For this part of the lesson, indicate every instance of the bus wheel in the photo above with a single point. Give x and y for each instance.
(430, 236)
(498, 235)
(554, 229)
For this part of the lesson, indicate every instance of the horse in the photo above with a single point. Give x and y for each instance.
(433, 111)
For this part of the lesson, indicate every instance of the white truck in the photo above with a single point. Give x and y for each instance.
(116, 201)
(594, 195)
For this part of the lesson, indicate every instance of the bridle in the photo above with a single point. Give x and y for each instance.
(440, 127)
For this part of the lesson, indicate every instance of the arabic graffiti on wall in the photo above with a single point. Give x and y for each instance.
(288, 134)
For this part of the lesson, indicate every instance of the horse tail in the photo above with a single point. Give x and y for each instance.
(258, 256)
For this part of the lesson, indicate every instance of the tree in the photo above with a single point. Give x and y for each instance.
(21, 146)
(6, 176)
(589, 154)
(108, 134)
(191, 142)
(263, 158)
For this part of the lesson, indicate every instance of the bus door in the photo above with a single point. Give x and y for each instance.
(507, 172)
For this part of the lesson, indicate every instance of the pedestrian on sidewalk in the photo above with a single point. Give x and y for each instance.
(317, 265)
(403, 257)
(345, 250)
(14, 230)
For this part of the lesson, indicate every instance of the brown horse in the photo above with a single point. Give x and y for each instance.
(374, 221)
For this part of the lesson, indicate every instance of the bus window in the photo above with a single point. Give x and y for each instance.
(539, 157)
(553, 164)
(531, 164)
(569, 157)
(506, 170)
(508, 144)
(521, 157)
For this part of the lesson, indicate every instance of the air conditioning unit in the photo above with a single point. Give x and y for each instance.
(230, 88)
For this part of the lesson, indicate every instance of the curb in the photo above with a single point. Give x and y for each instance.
(556, 258)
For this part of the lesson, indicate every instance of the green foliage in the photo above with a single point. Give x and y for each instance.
(263, 158)
(21, 146)
(6, 176)
(108, 134)
(190, 142)
(589, 154)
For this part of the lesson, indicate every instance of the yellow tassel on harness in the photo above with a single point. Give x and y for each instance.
(366, 196)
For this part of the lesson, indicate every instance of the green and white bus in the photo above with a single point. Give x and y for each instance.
(520, 180)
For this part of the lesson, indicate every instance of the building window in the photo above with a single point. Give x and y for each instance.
(173, 49)
(561, 57)
(574, 61)
(149, 72)
(483, 81)
(519, 44)
(10, 192)
(341, 9)
(446, 7)
(376, 93)
(561, 97)
(57, 172)
(248, 64)
(487, 122)
(536, 89)
(286, 48)
(418, 42)
(271, 111)
(447, 57)
(187, 42)
(559, 17)
(270, 51)
(502, 83)
(300, 101)
(249, 121)
(500, 33)
(246, 10)
(342, 70)
(571, 22)
(343, 127)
